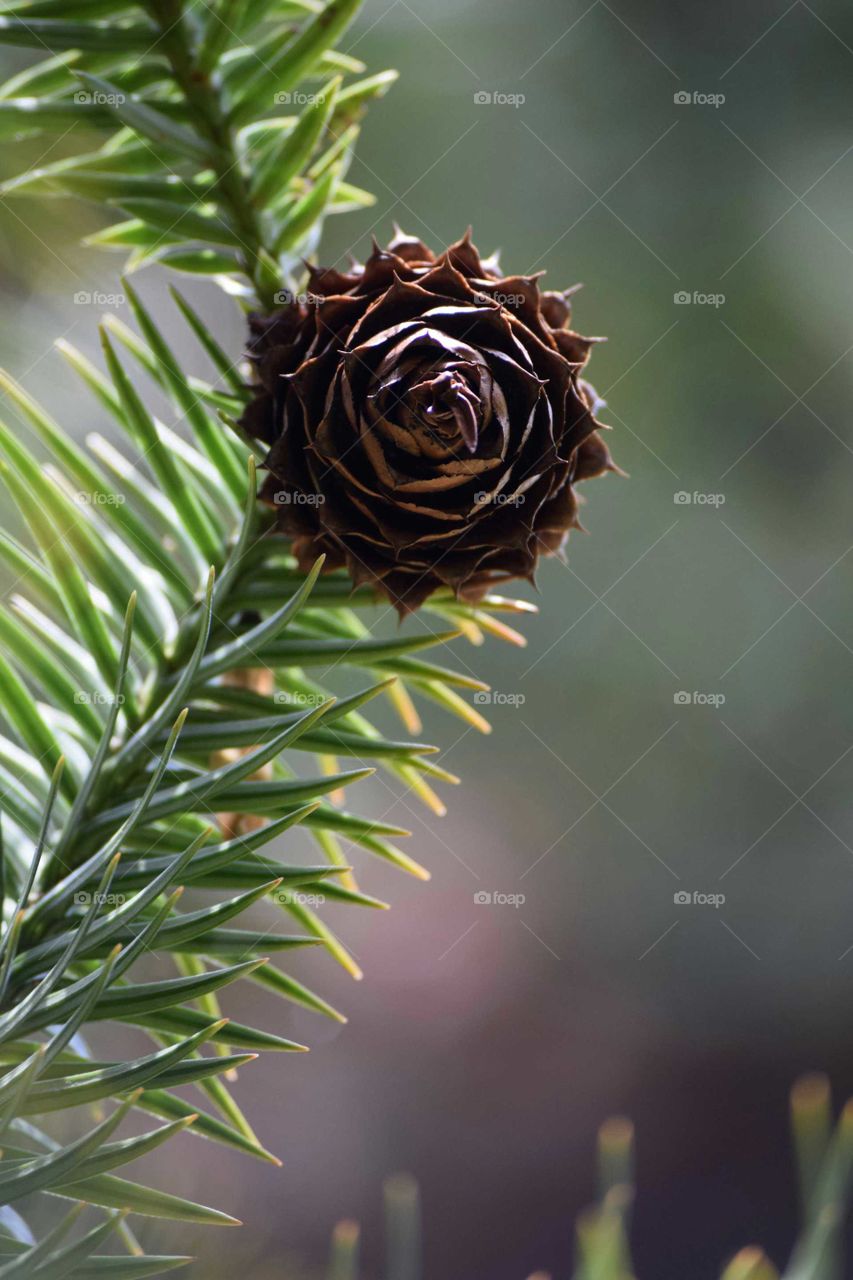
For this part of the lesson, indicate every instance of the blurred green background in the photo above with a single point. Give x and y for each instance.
(489, 1041)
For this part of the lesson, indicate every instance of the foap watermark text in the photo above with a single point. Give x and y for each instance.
(488, 898)
(696, 698)
(495, 698)
(696, 298)
(498, 98)
(696, 98)
(682, 498)
(682, 898)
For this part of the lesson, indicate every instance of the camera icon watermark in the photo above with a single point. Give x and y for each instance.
(682, 898)
(696, 698)
(497, 98)
(297, 498)
(488, 898)
(696, 298)
(292, 698)
(99, 499)
(98, 98)
(495, 698)
(695, 98)
(486, 499)
(287, 297)
(682, 498)
(292, 898)
(98, 698)
(95, 298)
(299, 99)
(84, 899)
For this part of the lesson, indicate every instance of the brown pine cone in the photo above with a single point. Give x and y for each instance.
(426, 420)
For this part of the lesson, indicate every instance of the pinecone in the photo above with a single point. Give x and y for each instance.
(426, 419)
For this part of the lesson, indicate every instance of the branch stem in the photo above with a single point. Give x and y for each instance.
(203, 94)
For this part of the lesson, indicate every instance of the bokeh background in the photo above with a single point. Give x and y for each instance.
(489, 1041)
